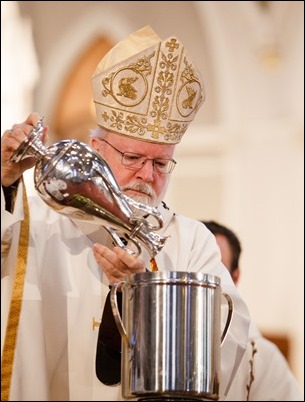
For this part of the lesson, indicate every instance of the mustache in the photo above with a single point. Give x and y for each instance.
(149, 194)
(141, 187)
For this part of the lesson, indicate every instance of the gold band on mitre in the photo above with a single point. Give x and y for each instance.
(147, 89)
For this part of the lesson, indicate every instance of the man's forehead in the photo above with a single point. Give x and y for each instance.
(130, 143)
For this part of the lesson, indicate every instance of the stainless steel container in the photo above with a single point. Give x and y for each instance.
(171, 330)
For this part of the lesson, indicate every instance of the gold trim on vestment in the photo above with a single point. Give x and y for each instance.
(15, 305)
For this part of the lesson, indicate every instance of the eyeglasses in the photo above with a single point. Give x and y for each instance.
(137, 161)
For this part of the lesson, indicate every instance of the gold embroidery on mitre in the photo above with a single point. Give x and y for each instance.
(119, 83)
(153, 98)
(190, 96)
(126, 88)
(188, 102)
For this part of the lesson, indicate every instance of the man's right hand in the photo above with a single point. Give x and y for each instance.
(10, 141)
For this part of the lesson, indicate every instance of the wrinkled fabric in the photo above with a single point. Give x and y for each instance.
(264, 374)
(65, 293)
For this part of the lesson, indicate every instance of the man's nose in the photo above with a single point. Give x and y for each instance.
(146, 171)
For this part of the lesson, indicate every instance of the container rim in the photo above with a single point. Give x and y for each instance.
(173, 277)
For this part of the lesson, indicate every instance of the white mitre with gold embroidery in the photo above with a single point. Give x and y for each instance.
(147, 88)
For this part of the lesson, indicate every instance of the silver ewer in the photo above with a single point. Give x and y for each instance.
(76, 181)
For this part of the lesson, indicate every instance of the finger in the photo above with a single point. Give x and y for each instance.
(103, 252)
(11, 140)
(20, 131)
(30, 122)
(134, 263)
(106, 259)
(33, 119)
(112, 266)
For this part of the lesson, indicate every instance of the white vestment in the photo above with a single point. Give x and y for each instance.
(265, 371)
(64, 295)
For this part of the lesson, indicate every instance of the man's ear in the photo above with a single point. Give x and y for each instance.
(236, 276)
(94, 143)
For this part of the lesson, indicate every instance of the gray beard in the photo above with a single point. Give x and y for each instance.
(148, 199)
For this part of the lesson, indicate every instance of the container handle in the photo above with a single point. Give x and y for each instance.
(229, 317)
(116, 312)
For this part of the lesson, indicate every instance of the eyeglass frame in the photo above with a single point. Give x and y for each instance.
(173, 164)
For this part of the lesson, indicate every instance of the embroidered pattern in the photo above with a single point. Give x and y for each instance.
(251, 362)
(154, 97)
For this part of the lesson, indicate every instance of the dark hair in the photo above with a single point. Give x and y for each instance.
(235, 246)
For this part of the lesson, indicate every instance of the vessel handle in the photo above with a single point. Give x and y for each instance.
(116, 312)
(229, 317)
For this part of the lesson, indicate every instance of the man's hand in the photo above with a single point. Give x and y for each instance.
(10, 141)
(117, 263)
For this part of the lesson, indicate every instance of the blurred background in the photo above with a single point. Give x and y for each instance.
(241, 162)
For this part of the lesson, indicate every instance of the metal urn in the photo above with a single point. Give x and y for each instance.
(76, 181)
